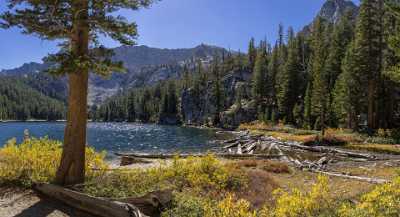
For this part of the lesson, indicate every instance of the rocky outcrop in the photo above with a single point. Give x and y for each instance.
(333, 10)
(198, 108)
(237, 114)
(166, 119)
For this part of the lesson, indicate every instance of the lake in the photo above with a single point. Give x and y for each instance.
(123, 137)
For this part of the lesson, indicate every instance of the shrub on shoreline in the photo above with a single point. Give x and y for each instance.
(37, 160)
(203, 186)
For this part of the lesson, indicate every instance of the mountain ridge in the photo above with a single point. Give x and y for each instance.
(145, 65)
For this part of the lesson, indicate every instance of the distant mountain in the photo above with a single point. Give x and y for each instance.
(332, 10)
(25, 68)
(145, 66)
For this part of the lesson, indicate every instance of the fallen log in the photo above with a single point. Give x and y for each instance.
(318, 167)
(235, 144)
(170, 156)
(151, 204)
(322, 149)
(93, 205)
(359, 178)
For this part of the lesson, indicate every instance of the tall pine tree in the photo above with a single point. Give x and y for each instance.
(77, 23)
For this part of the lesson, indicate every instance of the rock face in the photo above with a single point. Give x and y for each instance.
(199, 108)
(236, 115)
(166, 119)
(332, 10)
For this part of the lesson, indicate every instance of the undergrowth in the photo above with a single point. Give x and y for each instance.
(37, 160)
(202, 186)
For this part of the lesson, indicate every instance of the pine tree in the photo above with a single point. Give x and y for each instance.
(77, 23)
(217, 91)
(252, 54)
(131, 110)
(273, 68)
(172, 98)
(349, 93)
(393, 39)
(319, 94)
(259, 89)
(186, 77)
(288, 89)
(368, 49)
(341, 37)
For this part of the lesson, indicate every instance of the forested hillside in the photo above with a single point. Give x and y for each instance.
(18, 101)
(340, 74)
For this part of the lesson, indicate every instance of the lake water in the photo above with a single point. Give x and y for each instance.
(123, 137)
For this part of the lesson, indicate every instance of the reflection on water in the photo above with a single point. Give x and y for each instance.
(123, 137)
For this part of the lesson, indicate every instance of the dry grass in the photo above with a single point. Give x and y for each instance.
(378, 148)
(265, 165)
(260, 188)
(291, 137)
(341, 189)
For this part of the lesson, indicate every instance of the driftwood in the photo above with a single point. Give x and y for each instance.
(93, 205)
(248, 142)
(359, 178)
(322, 149)
(170, 156)
(151, 204)
(129, 161)
(320, 167)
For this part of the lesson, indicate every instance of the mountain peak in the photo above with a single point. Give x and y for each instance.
(332, 10)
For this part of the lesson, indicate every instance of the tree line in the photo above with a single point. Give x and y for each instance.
(20, 102)
(340, 74)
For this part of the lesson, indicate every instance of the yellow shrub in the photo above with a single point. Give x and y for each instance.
(203, 173)
(199, 174)
(229, 208)
(383, 201)
(37, 160)
(298, 204)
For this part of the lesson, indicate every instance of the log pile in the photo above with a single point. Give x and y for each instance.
(246, 143)
(246, 146)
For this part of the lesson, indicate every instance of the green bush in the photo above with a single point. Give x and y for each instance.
(185, 205)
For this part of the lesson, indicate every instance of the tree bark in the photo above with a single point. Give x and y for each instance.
(72, 167)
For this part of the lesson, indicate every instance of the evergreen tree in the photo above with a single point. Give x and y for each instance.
(131, 110)
(252, 54)
(349, 93)
(172, 98)
(341, 37)
(368, 49)
(260, 75)
(77, 23)
(319, 97)
(394, 38)
(288, 89)
(273, 68)
(217, 91)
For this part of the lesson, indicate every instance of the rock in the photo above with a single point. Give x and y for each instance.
(169, 119)
(235, 116)
(198, 108)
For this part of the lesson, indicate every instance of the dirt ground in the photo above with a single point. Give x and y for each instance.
(27, 203)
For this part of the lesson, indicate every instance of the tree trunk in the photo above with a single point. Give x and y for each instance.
(72, 166)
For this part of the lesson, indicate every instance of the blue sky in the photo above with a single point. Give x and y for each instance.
(183, 24)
